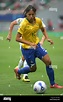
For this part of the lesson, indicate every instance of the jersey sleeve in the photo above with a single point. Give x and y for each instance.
(41, 24)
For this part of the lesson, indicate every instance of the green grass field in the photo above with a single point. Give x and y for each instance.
(9, 57)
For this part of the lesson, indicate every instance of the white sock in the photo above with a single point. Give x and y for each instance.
(25, 65)
(21, 62)
(24, 75)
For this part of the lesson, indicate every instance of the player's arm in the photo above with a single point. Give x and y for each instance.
(20, 39)
(42, 40)
(12, 24)
(45, 37)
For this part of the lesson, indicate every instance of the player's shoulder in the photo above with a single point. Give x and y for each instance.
(38, 20)
(24, 22)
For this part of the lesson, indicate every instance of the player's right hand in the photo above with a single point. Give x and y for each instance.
(33, 45)
(8, 38)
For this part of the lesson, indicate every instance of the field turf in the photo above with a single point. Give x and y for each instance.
(9, 57)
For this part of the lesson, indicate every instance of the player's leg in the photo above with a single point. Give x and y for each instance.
(21, 62)
(43, 55)
(20, 65)
(25, 76)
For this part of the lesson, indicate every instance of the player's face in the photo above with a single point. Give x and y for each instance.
(31, 16)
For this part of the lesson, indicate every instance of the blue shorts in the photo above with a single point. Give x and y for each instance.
(31, 54)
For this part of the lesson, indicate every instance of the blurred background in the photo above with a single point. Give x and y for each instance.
(50, 11)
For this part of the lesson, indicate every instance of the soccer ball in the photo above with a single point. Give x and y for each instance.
(39, 87)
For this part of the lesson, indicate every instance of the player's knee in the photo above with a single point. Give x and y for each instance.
(48, 62)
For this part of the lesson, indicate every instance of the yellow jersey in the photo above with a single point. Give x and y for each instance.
(29, 31)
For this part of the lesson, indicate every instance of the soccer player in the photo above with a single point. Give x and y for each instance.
(22, 61)
(31, 48)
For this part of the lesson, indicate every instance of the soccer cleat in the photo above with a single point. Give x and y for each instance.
(16, 72)
(25, 79)
(56, 86)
